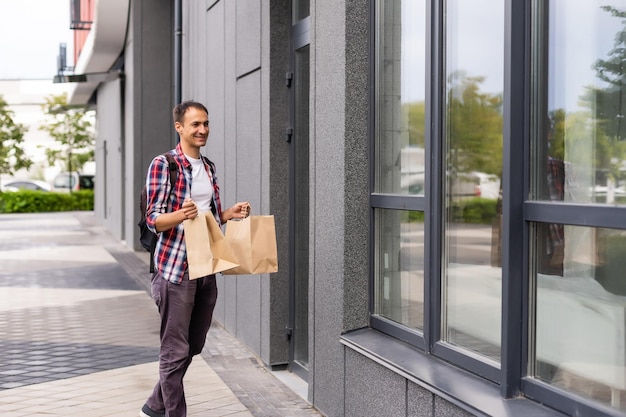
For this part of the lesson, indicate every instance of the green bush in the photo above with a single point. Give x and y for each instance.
(470, 210)
(416, 217)
(26, 201)
(473, 210)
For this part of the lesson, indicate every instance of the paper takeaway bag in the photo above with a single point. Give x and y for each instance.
(253, 240)
(207, 250)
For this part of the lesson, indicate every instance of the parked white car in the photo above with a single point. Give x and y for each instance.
(17, 185)
(476, 184)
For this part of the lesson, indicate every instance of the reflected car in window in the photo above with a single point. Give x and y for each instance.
(73, 181)
(33, 185)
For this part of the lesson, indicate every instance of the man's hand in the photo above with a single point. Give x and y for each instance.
(190, 209)
(244, 209)
(239, 210)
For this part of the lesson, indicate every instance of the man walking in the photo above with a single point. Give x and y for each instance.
(185, 306)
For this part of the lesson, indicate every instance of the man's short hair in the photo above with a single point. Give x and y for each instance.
(180, 109)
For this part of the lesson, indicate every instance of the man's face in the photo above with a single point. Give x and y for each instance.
(194, 130)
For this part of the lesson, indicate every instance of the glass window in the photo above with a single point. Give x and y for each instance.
(400, 160)
(400, 267)
(401, 97)
(575, 293)
(578, 155)
(472, 276)
(580, 312)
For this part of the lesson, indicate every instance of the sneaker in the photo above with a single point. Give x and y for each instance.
(149, 412)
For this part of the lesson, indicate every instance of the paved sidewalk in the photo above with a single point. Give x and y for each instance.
(79, 332)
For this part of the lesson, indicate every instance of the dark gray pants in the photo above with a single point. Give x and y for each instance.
(186, 311)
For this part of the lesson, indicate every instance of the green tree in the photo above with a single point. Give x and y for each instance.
(71, 128)
(609, 102)
(474, 126)
(12, 154)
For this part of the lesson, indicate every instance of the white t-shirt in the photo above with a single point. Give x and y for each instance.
(201, 186)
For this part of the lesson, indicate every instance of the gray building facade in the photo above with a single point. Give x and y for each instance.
(430, 262)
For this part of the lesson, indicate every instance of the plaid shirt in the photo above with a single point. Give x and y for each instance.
(170, 255)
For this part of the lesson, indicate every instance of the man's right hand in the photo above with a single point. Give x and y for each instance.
(190, 209)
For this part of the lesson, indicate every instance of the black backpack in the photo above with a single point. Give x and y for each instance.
(148, 239)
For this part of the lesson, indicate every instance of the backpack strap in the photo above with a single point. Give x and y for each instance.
(211, 165)
(173, 166)
(173, 171)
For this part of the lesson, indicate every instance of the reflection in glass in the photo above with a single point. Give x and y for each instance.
(580, 314)
(579, 156)
(399, 267)
(472, 277)
(400, 97)
(580, 150)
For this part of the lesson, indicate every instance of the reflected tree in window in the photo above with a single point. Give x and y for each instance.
(475, 126)
(556, 134)
(608, 105)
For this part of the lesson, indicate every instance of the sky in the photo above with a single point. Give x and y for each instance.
(471, 45)
(30, 34)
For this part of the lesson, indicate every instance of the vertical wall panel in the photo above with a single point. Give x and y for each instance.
(248, 166)
(213, 43)
(248, 35)
(229, 151)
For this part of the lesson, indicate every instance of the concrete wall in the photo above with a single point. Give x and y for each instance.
(373, 390)
(339, 172)
(327, 146)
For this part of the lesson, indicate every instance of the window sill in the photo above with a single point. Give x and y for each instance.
(467, 391)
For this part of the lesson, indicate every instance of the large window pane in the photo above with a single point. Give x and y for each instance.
(580, 313)
(400, 160)
(400, 97)
(399, 267)
(472, 275)
(578, 155)
(580, 151)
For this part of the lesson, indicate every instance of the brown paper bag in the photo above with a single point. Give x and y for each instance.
(207, 251)
(253, 240)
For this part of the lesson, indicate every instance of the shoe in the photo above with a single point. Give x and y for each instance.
(149, 412)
